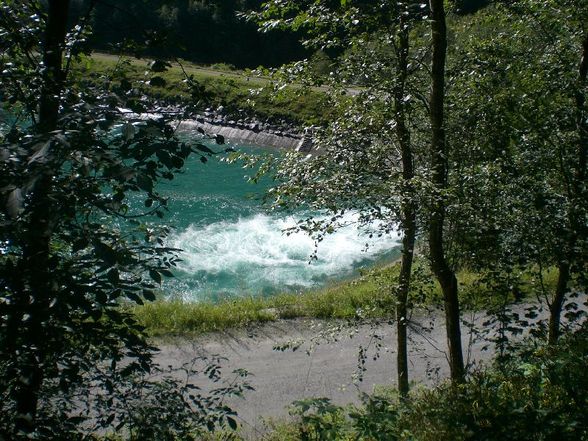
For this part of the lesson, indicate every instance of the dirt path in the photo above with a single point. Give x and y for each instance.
(329, 369)
(328, 366)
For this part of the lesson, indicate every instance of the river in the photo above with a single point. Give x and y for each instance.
(232, 246)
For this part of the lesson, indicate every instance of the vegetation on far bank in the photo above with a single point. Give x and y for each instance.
(371, 295)
(238, 92)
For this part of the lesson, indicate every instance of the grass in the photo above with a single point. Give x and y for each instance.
(370, 296)
(232, 89)
(342, 300)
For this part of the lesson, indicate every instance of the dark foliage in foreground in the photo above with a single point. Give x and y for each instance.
(77, 188)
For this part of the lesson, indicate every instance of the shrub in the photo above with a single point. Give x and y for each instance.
(539, 393)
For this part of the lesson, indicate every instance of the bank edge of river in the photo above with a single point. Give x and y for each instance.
(244, 130)
(251, 131)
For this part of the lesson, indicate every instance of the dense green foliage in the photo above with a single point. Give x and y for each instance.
(495, 139)
(500, 182)
(520, 142)
(77, 178)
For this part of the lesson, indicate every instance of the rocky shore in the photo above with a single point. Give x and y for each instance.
(244, 130)
(249, 130)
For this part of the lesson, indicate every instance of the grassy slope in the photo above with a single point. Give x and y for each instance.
(234, 90)
(370, 295)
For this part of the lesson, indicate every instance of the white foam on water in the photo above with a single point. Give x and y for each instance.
(254, 253)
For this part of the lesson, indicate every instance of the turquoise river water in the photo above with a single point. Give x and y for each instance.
(233, 247)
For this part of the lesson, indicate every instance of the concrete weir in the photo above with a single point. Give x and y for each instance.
(252, 133)
(242, 131)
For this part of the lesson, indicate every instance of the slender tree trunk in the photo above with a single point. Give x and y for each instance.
(558, 301)
(578, 199)
(53, 76)
(441, 269)
(409, 231)
(36, 251)
(408, 219)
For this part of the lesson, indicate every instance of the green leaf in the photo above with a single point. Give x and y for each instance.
(204, 149)
(166, 273)
(145, 183)
(135, 298)
(113, 276)
(232, 423)
(159, 65)
(149, 295)
(155, 276)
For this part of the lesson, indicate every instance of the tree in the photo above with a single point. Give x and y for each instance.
(571, 258)
(72, 249)
(521, 178)
(439, 171)
(408, 209)
(366, 163)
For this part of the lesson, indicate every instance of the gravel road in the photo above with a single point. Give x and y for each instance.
(326, 362)
(325, 365)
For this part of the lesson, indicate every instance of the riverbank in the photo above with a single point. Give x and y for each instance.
(201, 90)
(249, 131)
(369, 296)
(243, 130)
(169, 318)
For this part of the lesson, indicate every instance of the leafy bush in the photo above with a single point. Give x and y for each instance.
(319, 420)
(539, 393)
